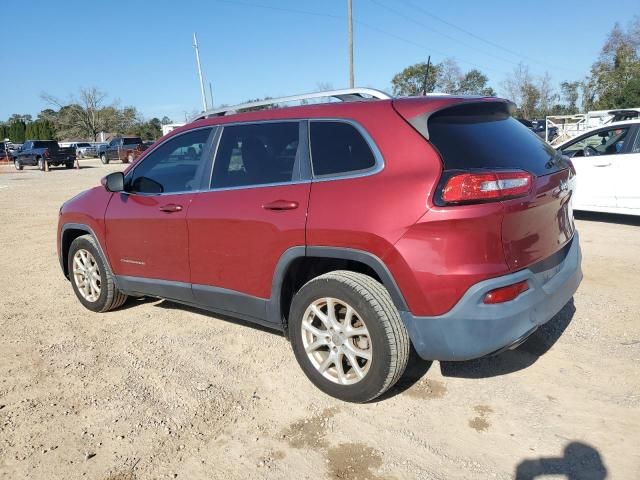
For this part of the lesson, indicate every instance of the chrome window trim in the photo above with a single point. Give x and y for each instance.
(213, 129)
(258, 185)
(377, 155)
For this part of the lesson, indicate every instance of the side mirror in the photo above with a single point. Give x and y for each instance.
(114, 182)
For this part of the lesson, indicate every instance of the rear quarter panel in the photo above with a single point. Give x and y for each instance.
(372, 212)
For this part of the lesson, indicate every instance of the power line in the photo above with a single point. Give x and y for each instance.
(478, 37)
(422, 47)
(427, 27)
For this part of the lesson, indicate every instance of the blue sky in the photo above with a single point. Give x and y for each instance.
(140, 52)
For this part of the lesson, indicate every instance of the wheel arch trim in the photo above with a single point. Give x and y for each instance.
(85, 228)
(274, 309)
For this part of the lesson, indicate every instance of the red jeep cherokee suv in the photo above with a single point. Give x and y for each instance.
(357, 227)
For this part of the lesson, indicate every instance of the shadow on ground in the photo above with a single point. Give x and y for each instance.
(633, 220)
(513, 360)
(579, 462)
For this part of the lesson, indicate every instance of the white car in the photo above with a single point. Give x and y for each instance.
(607, 162)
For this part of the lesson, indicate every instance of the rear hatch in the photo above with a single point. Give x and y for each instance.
(481, 136)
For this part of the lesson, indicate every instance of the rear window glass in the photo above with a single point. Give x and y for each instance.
(486, 137)
(338, 148)
(41, 144)
(131, 141)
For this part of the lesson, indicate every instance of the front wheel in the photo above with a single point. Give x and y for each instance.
(41, 164)
(91, 278)
(104, 159)
(347, 336)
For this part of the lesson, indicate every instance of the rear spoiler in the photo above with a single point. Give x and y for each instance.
(417, 110)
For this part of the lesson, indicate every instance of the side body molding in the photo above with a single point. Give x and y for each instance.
(267, 312)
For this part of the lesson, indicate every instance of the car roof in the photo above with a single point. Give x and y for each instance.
(412, 105)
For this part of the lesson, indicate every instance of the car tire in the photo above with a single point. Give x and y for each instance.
(69, 164)
(41, 164)
(104, 159)
(130, 158)
(18, 164)
(373, 329)
(91, 279)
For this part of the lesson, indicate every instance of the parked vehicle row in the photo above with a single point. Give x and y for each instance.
(125, 149)
(358, 228)
(43, 153)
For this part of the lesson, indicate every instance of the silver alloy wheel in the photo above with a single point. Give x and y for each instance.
(86, 275)
(337, 341)
(130, 158)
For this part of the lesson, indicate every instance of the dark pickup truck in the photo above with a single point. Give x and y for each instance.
(125, 149)
(43, 152)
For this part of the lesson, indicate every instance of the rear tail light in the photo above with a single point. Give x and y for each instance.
(506, 294)
(469, 187)
(46, 152)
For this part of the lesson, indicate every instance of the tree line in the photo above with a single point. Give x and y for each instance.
(612, 82)
(83, 116)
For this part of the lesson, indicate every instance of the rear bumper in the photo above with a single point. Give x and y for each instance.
(472, 329)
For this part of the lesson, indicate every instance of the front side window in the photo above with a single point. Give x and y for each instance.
(256, 154)
(172, 167)
(338, 148)
(604, 142)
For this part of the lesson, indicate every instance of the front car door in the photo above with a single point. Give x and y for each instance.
(593, 156)
(24, 154)
(146, 229)
(254, 211)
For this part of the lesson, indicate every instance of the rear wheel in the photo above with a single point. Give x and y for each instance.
(18, 164)
(347, 336)
(104, 159)
(91, 278)
(69, 164)
(41, 164)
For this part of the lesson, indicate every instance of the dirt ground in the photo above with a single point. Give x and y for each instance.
(155, 390)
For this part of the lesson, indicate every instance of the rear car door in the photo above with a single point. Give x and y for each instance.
(146, 228)
(626, 169)
(254, 211)
(593, 157)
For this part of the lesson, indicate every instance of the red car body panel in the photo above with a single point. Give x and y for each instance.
(86, 208)
(144, 241)
(539, 225)
(235, 243)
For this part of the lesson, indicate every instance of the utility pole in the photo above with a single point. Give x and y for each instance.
(204, 97)
(350, 17)
(426, 77)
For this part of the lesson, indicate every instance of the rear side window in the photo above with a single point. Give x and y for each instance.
(131, 141)
(485, 136)
(40, 144)
(257, 154)
(338, 148)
